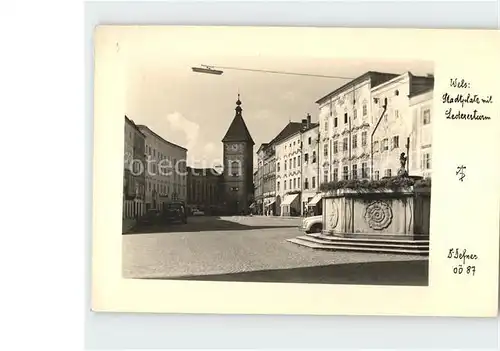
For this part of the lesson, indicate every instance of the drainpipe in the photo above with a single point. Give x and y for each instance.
(350, 149)
(408, 155)
(371, 137)
(262, 185)
(301, 173)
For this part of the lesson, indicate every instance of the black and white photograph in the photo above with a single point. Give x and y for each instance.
(277, 169)
(280, 170)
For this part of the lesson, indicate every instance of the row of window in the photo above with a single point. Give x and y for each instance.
(297, 144)
(153, 153)
(289, 147)
(356, 173)
(365, 171)
(426, 117)
(346, 117)
(294, 184)
(165, 189)
(345, 144)
(294, 162)
(200, 193)
(384, 146)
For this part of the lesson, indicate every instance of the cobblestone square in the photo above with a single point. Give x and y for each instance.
(255, 249)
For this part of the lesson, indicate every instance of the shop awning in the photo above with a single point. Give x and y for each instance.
(289, 199)
(270, 203)
(315, 200)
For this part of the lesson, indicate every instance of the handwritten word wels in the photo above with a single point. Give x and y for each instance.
(455, 83)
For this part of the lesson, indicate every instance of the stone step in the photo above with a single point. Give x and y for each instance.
(368, 239)
(332, 247)
(320, 240)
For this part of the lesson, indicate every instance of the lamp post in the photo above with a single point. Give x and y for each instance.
(218, 70)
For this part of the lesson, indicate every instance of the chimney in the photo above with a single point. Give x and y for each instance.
(308, 120)
(304, 124)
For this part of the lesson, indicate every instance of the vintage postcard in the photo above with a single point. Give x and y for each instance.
(253, 170)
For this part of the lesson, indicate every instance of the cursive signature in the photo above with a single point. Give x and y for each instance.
(461, 255)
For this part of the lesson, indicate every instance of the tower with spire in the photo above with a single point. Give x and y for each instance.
(238, 164)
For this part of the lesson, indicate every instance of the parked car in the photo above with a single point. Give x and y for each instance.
(197, 212)
(175, 212)
(312, 224)
(152, 216)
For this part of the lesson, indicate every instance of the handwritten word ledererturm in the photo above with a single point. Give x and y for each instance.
(462, 257)
(469, 103)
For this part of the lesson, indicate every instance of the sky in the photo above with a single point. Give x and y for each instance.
(195, 110)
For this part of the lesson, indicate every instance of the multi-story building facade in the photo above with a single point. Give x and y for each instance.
(420, 162)
(366, 124)
(259, 180)
(288, 169)
(134, 177)
(238, 165)
(268, 157)
(345, 120)
(256, 206)
(279, 181)
(203, 189)
(396, 131)
(310, 200)
(166, 175)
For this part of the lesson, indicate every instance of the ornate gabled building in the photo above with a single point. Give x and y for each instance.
(346, 119)
(238, 190)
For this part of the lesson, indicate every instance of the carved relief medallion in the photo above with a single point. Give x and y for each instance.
(378, 215)
(334, 215)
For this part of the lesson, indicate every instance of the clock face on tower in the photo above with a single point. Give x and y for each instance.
(234, 147)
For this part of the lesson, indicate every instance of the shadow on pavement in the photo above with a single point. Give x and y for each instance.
(202, 224)
(409, 273)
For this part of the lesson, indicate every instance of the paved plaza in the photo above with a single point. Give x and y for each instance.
(255, 249)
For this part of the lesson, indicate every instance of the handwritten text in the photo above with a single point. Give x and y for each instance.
(463, 257)
(470, 103)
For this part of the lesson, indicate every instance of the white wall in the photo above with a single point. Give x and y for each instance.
(310, 169)
(288, 158)
(355, 102)
(395, 126)
(158, 150)
(421, 105)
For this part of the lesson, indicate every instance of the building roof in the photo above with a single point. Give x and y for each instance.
(420, 92)
(146, 128)
(311, 126)
(420, 85)
(262, 147)
(238, 130)
(132, 123)
(375, 77)
(290, 129)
